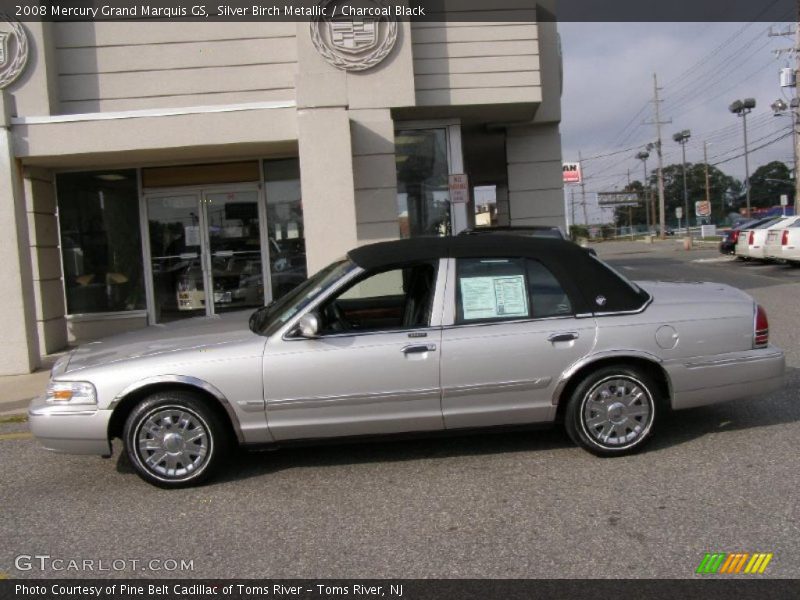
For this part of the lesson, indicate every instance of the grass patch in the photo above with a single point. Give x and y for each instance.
(14, 419)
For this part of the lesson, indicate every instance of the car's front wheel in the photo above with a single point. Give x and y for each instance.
(173, 439)
(612, 411)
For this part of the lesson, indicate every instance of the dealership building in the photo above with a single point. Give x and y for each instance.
(157, 171)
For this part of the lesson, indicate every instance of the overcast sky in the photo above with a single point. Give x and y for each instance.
(703, 67)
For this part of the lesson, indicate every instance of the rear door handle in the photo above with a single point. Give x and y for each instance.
(564, 336)
(419, 348)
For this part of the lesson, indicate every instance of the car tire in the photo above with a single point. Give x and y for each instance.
(612, 411)
(173, 439)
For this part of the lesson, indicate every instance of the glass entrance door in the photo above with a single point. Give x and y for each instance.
(176, 256)
(236, 267)
(206, 252)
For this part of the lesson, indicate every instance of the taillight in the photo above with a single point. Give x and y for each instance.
(761, 333)
(785, 238)
(751, 239)
(735, 236)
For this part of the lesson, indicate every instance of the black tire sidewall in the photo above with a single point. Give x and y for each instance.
(574, 410)
(191, 403)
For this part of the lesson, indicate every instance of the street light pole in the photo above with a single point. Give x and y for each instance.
(682, 137)
(742, 108)
(780, 108)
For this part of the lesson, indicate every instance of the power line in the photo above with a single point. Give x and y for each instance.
(778, 139)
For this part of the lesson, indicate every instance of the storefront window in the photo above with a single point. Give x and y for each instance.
(287, 246)
(423, 198)
(100, 241)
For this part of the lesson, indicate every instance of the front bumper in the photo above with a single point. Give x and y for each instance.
(78, 429)
(722, 377)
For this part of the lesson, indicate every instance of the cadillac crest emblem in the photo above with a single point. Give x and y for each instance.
(13, 50)
(354, 43)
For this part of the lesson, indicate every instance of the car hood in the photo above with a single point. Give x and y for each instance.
(188, 334)
(680, 292)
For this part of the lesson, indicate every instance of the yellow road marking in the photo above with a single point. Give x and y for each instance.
(21, 435)
(3, 575)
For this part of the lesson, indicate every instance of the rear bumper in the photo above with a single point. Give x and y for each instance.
(70, 429)
(708, 380)
(781, 252)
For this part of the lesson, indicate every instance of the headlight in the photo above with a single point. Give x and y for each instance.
(74, 392)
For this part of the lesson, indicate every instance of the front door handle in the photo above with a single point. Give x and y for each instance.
(564, 336)
(419, 348)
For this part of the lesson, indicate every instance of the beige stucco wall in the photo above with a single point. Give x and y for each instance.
(535, 190)
(137, 65)
(471, 63)
(17, 313)
(43, 239)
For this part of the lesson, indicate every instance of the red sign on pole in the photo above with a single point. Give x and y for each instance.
(572, 172)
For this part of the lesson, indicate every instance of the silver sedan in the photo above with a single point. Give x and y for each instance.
(415, 336)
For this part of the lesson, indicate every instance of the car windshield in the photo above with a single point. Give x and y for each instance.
(268, 319)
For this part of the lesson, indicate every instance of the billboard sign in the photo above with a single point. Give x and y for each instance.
(572, 172)
(617, 198)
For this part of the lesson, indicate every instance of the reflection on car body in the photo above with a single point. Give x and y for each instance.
(422, 335)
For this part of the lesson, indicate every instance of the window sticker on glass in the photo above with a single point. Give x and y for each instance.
(494, 297)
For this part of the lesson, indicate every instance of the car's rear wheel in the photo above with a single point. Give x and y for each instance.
(612, 411)
(173, 439)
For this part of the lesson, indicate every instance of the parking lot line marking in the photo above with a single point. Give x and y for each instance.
(20, 435)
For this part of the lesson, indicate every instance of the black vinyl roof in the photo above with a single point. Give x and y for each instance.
(581, 275)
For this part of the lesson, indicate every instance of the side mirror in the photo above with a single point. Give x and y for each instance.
(308, 326)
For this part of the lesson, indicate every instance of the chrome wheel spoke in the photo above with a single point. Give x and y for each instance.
(194, 434)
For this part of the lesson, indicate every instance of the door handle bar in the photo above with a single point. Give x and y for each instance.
(564, 336)
(419, 348)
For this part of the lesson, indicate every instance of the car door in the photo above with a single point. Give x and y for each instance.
(372, 369)
(513, 332)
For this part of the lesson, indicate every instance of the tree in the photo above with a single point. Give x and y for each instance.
(767, 184)
(723, 188)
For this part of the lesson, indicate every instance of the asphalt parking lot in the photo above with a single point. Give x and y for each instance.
(514, 505)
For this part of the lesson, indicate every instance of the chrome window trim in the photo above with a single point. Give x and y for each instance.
(647, 303)
(509, 322)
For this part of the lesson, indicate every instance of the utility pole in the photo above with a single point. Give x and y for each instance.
(630, 208)
(658, 123)
(572, 204)
(708, 181)
(794, 111)
(583, 191)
